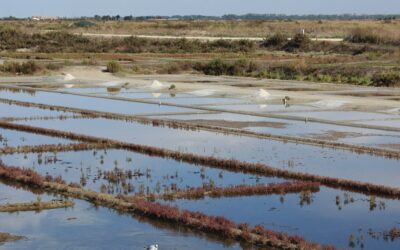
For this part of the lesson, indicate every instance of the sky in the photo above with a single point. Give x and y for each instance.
(76, 8)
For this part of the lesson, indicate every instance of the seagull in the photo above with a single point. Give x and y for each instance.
(152, 247)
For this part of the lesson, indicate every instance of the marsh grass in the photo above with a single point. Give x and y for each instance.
(6, 237)
(242, 190)
(24, 68)
(175, 124)
(195, 220)
(225, 164)
(35, 206)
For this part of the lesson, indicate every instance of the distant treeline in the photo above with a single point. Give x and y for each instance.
(280, 17)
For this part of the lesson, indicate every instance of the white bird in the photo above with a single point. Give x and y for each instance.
(152, 247)
(68, 77)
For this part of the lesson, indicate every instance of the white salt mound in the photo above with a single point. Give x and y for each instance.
(156, 95)
(262, 93)
(156, 85)
(68, 86)
(68, 77)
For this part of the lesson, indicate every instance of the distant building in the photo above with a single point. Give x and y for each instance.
(44, 18)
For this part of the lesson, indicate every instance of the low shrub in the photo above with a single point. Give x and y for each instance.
(175, 68)
(298, 42)
(113, 67)
(386, 79)
(275, 40)
(243, 190)
(219, 67)
(25, 68)
(216, 67)
(364, 35)
(53, 66)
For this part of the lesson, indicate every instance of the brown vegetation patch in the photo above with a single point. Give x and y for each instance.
(394, 99)
(61, 41)
(391, 145)
(35, 206)
(6, 237)
(179, 124)
(243, 190)
(44, 118)
(194, 220)
(53, 148)
(228, 164)
(239, 124)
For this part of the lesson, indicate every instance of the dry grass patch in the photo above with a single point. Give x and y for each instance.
(6, 237)
(35, 206)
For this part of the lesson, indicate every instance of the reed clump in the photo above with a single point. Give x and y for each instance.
(194, 126)
(24, 68)
(52, 148)
(228, 164)
(60, 41)
(139, 206)
(243, 190)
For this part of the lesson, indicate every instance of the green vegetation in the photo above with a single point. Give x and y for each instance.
(219, 67)
(367, 57)
(298, 42)
(25, 68)
(84, 24)
(365, 35)
(113, 67)
(301, 71)
(275, 40)
(38, 205)
(387, 79)
(51, 42)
